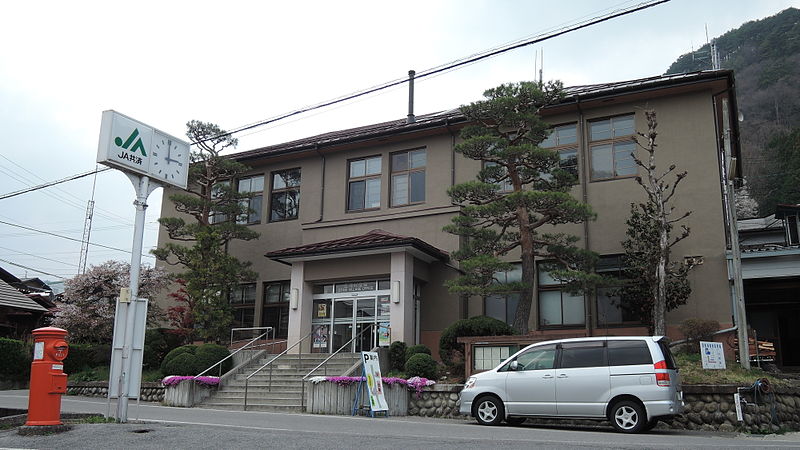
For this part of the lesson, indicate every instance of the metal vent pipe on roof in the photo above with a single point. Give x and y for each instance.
(411, 118)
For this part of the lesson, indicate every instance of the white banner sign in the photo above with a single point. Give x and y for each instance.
(712, 355)
(372, 370)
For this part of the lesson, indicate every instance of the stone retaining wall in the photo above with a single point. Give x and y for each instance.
(438, 400)
(712, 408)
(150, 392)
(707, 407)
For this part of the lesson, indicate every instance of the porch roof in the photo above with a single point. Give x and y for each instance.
(370, 241)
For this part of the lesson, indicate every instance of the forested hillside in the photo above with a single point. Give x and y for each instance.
(765, 55)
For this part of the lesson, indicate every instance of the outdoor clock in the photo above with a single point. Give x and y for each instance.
(137, 148)
(170, 160)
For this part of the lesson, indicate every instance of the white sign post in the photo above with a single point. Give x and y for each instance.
(141, 152)
(372, 372)
(712, 355)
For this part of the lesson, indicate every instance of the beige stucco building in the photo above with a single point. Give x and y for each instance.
(351, 221)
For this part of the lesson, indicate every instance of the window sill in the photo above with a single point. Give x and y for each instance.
(626, 177)
(283, 220)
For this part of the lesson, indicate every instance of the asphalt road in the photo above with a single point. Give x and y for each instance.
(162, 427)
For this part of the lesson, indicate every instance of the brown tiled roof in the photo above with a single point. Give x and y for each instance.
(454, 116)
(391, 128)
(374, 239)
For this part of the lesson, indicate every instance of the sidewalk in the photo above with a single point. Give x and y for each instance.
(162, 427)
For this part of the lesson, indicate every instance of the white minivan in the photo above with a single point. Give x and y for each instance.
(631, 381)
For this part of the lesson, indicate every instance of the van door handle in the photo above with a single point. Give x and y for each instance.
(563, 375)
(548, 377)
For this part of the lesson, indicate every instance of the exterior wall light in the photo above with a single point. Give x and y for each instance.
(294, 298)
(395, 292)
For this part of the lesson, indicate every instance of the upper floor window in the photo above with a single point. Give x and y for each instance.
(408, 177)
(611, 143)
(285, 199)
(364, 184)
(216, 193)
(255, 187)
(564, 140)
(503, 185)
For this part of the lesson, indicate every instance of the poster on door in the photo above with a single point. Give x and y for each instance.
(372, 371)
(320, 336)
(384, 334)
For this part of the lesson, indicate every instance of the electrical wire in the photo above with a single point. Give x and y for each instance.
(69, 238)
(52, 183)
(446, 67)
(32, 269)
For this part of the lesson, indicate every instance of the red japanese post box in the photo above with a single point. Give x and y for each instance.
(48, 380)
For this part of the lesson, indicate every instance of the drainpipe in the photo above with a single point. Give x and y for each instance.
(322, 185)
(584, 182)
(411, 118)
(452, 152)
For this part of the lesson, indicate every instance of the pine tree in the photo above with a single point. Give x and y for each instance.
(200, 246)
(520, 189)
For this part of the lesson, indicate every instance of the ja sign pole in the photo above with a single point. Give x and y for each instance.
(144, 154)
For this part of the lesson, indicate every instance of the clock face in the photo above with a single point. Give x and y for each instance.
(170, 161)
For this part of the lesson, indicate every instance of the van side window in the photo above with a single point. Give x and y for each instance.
(583, 354)
(627, 353)
(538, 358)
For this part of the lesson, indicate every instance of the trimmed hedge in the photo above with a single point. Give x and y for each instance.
(397, 355)
(415, 349)
(15, 359)
(174, 353)
(452, 352)
(182, 364)
(209, 354)
(421, 365)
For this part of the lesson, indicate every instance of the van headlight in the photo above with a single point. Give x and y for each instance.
(470, 383)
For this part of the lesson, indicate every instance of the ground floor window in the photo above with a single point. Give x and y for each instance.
(558, 307)
(275, 311)
(488, 357)
(504, 306)
(612, 309)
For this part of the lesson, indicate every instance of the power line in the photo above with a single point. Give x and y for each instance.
(67, 237)
(449, 66)
(31, 268)
(37, 256)
(52, 183)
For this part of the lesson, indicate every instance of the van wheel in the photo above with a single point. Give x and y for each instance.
(489, 410)
(515, 421)
(628, 417)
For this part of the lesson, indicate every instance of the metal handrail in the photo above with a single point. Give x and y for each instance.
(269, 363)
(219, 363)
(253, 328)
(303, 380)
(262, 350)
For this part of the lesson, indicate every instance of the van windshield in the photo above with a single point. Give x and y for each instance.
(667, 354)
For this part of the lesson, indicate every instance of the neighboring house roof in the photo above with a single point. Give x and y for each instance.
(454, 116)
(373, 240)
(759, 224)
(12, 298)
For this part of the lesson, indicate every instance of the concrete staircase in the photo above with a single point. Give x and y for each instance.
(285, 391)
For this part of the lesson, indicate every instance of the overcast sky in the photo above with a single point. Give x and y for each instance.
(236, 62)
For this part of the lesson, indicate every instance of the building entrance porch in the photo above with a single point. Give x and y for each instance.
(349, 311)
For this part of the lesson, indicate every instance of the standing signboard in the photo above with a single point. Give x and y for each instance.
(712, 355)
(372, 373)
(150, 159)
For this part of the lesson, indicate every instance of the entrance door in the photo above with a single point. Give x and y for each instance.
(351, 319)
